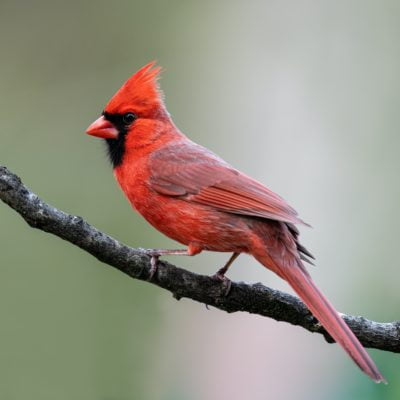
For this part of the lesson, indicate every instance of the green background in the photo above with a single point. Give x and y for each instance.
(302, 95)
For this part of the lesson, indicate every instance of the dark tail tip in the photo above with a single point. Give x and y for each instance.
(380, 379)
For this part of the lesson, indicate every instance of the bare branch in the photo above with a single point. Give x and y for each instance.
(255, 299)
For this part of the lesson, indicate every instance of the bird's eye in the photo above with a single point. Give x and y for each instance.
(128, 118)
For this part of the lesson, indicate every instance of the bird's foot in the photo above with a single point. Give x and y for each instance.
(226, 283)
(220, 275)
(155, 254)
(153, 266)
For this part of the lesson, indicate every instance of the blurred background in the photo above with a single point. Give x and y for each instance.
(301, 95)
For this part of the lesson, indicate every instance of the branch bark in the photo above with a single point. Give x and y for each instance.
(255, 298)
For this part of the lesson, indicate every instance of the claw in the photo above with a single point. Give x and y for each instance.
(153, 266)
(155, 254)
(226, 283)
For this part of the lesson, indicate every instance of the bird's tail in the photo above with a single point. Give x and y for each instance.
(297, 276)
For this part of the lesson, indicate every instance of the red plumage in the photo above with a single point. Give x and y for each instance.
(196, 198)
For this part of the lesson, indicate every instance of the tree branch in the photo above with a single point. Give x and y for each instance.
(255, 299)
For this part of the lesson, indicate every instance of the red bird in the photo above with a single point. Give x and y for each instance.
(196, 198)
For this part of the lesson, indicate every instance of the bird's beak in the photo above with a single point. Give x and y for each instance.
(103, 129)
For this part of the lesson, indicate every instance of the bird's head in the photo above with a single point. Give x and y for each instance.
(135, 115)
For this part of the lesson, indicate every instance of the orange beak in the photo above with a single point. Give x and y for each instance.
(102, 129)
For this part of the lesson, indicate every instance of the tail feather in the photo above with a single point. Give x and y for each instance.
(330, 319)
(276, 246)
(290, 268)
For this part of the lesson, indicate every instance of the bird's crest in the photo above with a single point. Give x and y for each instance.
(139, 94)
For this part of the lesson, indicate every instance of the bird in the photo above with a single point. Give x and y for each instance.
(196, 198)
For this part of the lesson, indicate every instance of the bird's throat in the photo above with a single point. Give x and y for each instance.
(116, 150)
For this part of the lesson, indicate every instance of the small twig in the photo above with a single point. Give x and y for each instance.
(255, 299)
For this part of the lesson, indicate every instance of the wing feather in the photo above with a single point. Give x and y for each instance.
(193, 173)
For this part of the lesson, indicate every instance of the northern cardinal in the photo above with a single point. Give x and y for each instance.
(196, 198)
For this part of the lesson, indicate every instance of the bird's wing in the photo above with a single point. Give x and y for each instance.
(193, 173)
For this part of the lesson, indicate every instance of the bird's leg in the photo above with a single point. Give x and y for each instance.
(220, 274)
(155, 254)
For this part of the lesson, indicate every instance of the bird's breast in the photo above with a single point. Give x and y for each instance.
(179, 219)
